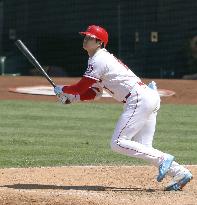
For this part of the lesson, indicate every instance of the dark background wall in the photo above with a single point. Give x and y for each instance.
(50, 29)
(1, 24)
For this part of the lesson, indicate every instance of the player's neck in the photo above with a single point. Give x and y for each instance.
(92, 52)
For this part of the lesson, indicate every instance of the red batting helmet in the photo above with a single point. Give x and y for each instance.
(97, 32)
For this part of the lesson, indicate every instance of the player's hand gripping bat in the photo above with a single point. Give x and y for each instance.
(33, 60)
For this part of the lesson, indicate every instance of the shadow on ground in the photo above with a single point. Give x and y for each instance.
(86, 188)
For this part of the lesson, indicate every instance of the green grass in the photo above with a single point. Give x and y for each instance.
(50, 134)
(177, 132)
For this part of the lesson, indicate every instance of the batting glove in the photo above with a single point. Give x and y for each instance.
(68, 98)
(58, 90)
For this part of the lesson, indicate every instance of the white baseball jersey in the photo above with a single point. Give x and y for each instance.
(115, 77)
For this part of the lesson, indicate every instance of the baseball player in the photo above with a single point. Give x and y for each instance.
(133, 135)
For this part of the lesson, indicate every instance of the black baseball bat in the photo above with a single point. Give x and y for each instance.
(33, 60)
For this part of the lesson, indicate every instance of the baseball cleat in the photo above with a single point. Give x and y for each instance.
(164, 167)
(179, 182)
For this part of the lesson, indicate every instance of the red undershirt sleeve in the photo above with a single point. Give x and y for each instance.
(88, 95)
(81, 88)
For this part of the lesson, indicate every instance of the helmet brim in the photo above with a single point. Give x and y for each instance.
(87, 34)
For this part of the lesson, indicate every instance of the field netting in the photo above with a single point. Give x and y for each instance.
(154, 38)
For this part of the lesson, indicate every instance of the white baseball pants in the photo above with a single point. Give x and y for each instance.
(133, 135)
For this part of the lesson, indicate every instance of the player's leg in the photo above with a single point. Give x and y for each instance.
(181, 176)
(145, 137)
(146, 134)
(131, 122)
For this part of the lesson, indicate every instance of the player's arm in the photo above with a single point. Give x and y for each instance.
(79, 88)
(92, 93)
(83, 88)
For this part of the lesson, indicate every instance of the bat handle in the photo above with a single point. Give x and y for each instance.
(53, 84)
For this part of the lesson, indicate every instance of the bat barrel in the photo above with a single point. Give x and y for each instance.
(33, 60)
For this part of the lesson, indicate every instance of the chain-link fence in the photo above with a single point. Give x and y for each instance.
(154, 38)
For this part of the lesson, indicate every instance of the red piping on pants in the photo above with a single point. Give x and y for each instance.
(126, 126)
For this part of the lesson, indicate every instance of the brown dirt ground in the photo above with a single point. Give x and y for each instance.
(186, 90)
(113, 185)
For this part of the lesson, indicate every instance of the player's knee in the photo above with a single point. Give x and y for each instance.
(114, 145)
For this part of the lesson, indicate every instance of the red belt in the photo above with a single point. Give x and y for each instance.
(124, 101)
(139, 83)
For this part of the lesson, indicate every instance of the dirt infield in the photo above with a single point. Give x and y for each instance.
(186, 90)
(93, 185)
(90, 185)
